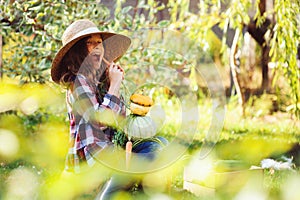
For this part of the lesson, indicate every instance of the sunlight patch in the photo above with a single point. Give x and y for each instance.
(22, 184)
(9, 144)
(29, 105)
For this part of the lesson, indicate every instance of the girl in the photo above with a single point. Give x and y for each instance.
(85, 65)
(92, 87)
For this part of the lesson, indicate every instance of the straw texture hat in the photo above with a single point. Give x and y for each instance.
(115, 44)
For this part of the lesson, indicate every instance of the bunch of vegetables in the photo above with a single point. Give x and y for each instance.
(139, 127)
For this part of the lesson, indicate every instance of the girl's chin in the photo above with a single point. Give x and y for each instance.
(97, 65)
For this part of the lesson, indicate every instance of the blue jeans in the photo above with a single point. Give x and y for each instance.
(148, 148)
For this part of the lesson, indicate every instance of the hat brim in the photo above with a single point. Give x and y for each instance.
(115, 47)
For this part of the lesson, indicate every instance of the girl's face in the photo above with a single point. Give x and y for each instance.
(95, 49)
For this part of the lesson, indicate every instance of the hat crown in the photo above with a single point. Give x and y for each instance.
(74, 30)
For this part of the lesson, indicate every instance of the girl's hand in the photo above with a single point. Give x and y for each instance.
(116, 75)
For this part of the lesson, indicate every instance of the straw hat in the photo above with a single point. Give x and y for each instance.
(115, 44)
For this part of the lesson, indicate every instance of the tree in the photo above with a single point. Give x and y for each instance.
(32, 30)
(278, 36)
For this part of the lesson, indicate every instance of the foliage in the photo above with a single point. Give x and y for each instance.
(43, 145)
(35, 28)
(32, 32)
(119, 139)
(284, 44)
(35, 115)
(283, 41)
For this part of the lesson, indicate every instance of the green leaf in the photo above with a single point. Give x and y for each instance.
(126, 9)
(163, 23)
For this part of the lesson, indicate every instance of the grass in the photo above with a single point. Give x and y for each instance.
(249, 139)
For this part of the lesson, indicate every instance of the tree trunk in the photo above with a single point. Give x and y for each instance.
(265, 69)
(265, 53)
(234, 66)
(164, 13)
(258, 34)
(250, 60)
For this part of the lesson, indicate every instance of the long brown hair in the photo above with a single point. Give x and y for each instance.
(77, 60)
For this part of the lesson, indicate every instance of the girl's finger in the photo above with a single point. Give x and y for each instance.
(106, 61)
(120, 68)
(111, 66)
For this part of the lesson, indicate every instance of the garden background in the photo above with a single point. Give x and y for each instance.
(231, 67)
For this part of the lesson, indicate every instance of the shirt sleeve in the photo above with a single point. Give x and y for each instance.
(87, 105)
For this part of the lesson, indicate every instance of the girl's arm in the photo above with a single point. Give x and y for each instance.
(89, 108)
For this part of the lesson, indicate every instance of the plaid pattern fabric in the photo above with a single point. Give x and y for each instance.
(87, 135)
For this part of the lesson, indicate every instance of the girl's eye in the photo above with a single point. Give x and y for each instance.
(96, 42)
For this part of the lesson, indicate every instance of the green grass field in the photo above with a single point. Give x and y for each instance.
(34, 147)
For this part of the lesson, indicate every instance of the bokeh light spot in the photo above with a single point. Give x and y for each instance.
(29, 105)
(22, 184)
(9, 144)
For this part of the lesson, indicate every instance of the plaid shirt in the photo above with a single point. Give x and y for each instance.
(88, 137)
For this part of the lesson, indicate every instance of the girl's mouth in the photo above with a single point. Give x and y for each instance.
(96, 57)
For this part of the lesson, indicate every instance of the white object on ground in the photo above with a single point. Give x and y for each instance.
(277, 165)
